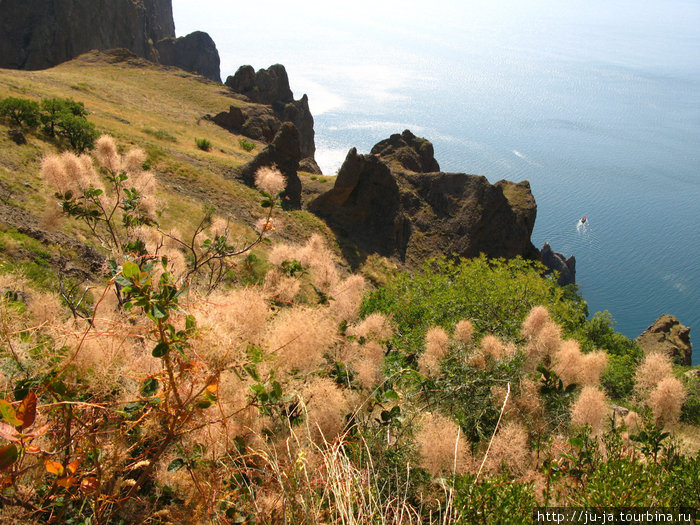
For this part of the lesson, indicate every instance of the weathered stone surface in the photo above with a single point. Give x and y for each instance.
(284, 153)
(271, 88)
(410, 152)
(557, 262)
(669, 336)
(37, 34)
(267, 86)
(195, 53)
(412, 216)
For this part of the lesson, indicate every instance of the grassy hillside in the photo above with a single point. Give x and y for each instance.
(161, 362)
(158, 109)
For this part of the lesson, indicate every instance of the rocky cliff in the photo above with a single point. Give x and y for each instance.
(195, 53)
(668, 336)
(38, 34)
(270, 88)
(392, 203)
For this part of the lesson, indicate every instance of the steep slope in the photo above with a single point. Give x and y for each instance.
(395, 202)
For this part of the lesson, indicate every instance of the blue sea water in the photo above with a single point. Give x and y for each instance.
(595, 102)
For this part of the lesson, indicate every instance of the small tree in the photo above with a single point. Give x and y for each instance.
(79, 133)
(53, 110)
(20, 111)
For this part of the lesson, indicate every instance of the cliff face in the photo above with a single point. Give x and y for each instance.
(38, 34)
(391, 209)
(195, 53)
(270, 88)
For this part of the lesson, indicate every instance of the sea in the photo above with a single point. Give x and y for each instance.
(595, 102)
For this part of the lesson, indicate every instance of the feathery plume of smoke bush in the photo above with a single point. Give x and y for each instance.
(375, 326)
(591, 408)
(282, 252)
(80, 170)
(495, 347)
(651, 371)
(235, 316)
(536, 321)
(347, 296)
(45, 307)
(106, 153)
(594, 363)
(436, 348)
(327, 406)
(438, 439)
(270, 180)
(299, 337)
(68, 172)
(464, 331)
(666, 401)
(54, 174)
(509, 449)
(368, 364)
(280, 286)
(133, 160)
(529, 402)
(568, 361)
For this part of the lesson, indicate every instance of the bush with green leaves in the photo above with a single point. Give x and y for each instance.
(54, 109)
(203, 144)
(246, 144)
(20, 111)
(495, 294)
(77, 130)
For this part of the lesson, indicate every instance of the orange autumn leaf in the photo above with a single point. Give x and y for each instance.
(27, 410)
(67, 482)
(53, 467)
(89, 484)
(73, 466)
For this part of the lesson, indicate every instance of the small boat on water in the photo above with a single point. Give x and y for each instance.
(584, 219)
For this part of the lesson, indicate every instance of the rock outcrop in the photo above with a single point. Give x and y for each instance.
(395, 211)
(410, 152)
(269, 88)
(557, 262)
(669, 336)
(38, 34)
(284, 153)
(195, 53)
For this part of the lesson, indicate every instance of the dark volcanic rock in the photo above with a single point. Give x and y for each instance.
(411, 152)
(271, 88)
(669, 336)
(268, 86)
(257, 122)
(557, 262)
(284, 153)
(37, 34)
(414, 215)
(195, 53)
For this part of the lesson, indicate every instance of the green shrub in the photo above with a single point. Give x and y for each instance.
(495, 295)
(53, 111)
(599, 333)
(246, 144)
(20, 111)
(493, 500)
(79, 133)
(618, 377)
(690, 413)
(203, 144)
